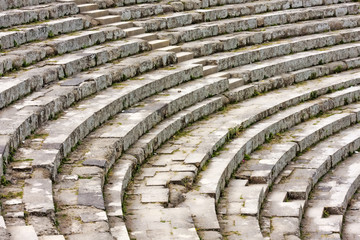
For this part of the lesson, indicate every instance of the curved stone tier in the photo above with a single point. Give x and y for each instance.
(146, 119)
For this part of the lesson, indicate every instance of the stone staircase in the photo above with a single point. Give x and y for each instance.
(143, 119)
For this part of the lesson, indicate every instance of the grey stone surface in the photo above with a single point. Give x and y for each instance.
(115, 97)
(38, 197)
(22, 232)
(90, 193)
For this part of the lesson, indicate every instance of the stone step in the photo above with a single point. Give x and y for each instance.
(118, 229)
(170, 221)
(9, 39)
(52, 237)
(77, 38)
(122, 25)
(146, 36)
(184, 56)
(351, 219)
(97, 13)
(330, 198)
(82, 115)
(3, 230)
(97, 55)
(123, 130)
(247, 23)
(236, 83)
(210, 69)
(266, 163)
(31, 14)
(250, 20)
(237, 94)
(82, 80)
(107, 19)
(87, 7)
(180, 58)
(238, 41)
(245, 105)
(66, 65)
(22, 232)
(184, 173)
(192, 146)
(155, 44)
(38, 197)
(175, 49)
(149, 142)
(234, 225)
(132, 31)
(173, 99)
(202, 207)
(37, 108)
(220, 167)
(147, 10)
(312, 166)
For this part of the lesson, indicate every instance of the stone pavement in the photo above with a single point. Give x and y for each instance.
(206, 119)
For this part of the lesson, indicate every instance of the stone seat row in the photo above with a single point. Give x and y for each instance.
(227, 26)
(52, 114)
(97, 96)
(9, 63)
(11, 60)
(79, 80)
(313, 167)
(325, 210)
(15, 38)
(256, 175)
(212, 14)
(157, 172)
(116, 136)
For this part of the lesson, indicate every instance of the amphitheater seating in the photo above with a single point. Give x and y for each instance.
(206, 119)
